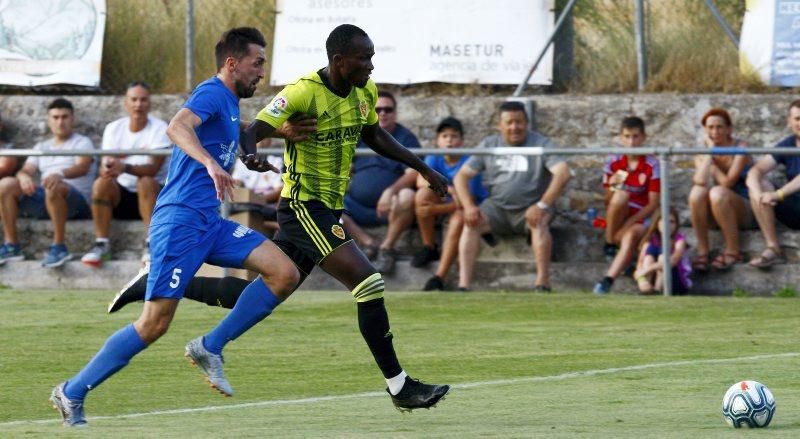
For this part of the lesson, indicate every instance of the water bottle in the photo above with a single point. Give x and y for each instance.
(591, 214)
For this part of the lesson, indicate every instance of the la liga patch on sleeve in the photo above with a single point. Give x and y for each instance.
(277, 106)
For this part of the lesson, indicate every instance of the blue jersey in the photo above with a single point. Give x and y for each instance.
(189, 190)
(792, 162)
(440, 165)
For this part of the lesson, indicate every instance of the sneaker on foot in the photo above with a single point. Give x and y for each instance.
(11, 252)
(425, 256)
(603, 287)
(56, 256)
(71, 411)
(210, 364)
(542, 289)
(133, 291)
(384, 263)
(418, 395)
(100, 253)
(434, 283)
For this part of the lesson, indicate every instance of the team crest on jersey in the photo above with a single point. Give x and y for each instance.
(338, 231)
(363, 107)
(277, 106)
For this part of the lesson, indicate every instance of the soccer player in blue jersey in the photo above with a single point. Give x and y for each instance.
(187, 230)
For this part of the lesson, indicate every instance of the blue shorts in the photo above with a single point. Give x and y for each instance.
(34, 206)
(177, 251)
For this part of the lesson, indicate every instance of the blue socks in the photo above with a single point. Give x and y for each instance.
(253, 306)
(113, 356)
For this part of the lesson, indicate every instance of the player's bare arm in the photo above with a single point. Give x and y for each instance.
(384, 144)
(181, 131)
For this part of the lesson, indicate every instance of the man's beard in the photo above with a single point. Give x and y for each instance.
(244, 90)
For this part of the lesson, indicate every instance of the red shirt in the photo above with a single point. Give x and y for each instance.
(643, 177)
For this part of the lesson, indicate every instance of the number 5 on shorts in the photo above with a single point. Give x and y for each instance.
(176, 280)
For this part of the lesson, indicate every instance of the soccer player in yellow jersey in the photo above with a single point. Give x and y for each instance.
(342, 98)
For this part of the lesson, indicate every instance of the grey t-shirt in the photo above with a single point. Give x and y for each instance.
(51, 164)
(515, 182)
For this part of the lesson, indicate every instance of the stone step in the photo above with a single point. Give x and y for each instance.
(510, 276)
(572, 241)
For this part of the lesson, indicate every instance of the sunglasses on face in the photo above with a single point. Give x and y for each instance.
(387, 110)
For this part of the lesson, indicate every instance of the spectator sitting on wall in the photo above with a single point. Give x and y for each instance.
(429, 206)
(381, 191)
(127, 187)
(782, 203)
(8, 165)
(522, 192)
(632, 183)
(63, 191)
(723, 201)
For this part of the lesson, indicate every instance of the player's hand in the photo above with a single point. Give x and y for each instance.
(26, 184)
(51, 181)
(297, 128)
(223, 182)
(472, 216)
(437, 182)
(258, 163)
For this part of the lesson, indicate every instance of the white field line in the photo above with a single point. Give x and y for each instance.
(317, 399)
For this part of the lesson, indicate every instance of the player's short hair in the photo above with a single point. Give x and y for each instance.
(61, 103)
(340, 39)
(513, 106)
(795, 104)
(632, 122)
(234, 43)
(717, 112)
(387, 95)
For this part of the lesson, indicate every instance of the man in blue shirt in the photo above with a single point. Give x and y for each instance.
(770, 203)
(186, 230)
(381, 191)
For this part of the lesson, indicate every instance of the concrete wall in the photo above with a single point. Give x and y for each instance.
(571, 120)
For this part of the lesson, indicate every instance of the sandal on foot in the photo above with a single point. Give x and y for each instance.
(700, 263)
(725, 261)
(768, 257)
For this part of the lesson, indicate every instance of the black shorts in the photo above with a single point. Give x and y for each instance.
(309, 231)
(128, 207)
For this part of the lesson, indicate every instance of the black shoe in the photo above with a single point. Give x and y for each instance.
(418, 395)
(610, 250)
(385, 261)
(434, 283)
(542, 289)
(133, 291)
(425, 256)
(463, 290)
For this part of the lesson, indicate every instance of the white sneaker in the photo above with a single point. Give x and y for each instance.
(100, 253)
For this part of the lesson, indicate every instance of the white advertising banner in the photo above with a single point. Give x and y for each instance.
(455, 41)
(51, 41)
(770, 43)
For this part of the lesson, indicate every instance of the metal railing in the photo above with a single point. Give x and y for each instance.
(663, 154)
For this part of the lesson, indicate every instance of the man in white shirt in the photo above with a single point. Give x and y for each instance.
(127, 187)
(62, 193)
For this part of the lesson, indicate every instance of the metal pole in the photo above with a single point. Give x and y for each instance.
(189, 45)
(559, 22)
(641, 45)
(666, 245)
(721, 20)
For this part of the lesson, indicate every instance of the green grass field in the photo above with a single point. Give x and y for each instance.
(522, 365)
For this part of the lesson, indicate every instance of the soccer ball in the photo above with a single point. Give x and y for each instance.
(749, 404)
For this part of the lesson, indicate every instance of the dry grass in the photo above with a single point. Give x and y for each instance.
(688, 51)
